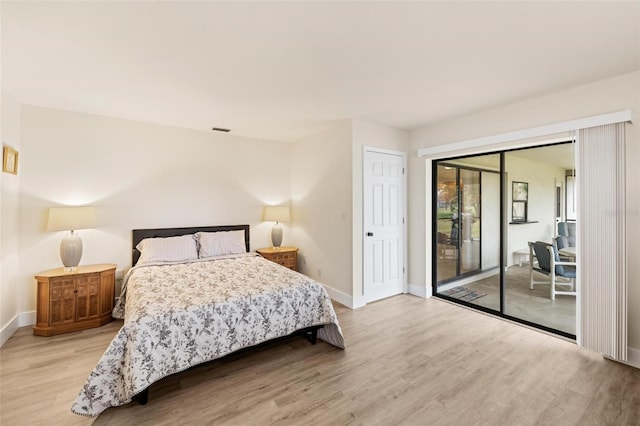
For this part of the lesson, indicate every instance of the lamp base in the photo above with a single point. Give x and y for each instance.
(71, 250)
(276, 235)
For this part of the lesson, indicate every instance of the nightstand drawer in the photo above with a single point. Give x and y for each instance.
(288, 261)
(285, 256)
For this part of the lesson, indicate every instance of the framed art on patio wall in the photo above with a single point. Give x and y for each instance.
(519, 201)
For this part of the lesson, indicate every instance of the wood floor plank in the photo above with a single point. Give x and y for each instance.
(408, 361)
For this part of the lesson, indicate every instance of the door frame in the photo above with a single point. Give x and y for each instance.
(500, 312)
(404, 245)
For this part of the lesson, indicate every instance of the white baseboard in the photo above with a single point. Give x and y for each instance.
(20, 320)
(359, 302)
(27, 318)
(419, 291)
(633, 357)
(8, 330)
(353, 302)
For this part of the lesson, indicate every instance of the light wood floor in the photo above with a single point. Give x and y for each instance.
(408, 361)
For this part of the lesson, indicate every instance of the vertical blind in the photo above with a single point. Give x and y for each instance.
(601, 247)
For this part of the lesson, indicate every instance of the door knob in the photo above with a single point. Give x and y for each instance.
(369, 234)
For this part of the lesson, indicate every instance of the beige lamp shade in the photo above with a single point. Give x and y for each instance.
(276, 214)
(71, 218)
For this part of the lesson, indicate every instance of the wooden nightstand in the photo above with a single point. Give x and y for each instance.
(285, 256)
(76, 300)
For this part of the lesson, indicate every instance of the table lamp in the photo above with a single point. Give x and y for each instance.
(71, 219)
(276, 214)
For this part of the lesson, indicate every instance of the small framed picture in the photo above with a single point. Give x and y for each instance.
(519, 212)
(520, 191)
(10, 160)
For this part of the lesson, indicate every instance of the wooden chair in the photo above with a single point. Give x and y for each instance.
(446, 250)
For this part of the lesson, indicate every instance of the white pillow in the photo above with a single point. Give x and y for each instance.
(220, 243)
(170, 249)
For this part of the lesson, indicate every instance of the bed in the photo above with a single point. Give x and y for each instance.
(180, 311)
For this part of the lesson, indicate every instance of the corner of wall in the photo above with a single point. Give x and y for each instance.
(420, 291)
(21, 320)
(10, 115)
(8, 330)
(633, 357)
(353, 302)
(321, 207)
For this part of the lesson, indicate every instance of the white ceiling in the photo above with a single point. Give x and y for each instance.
(284, 70)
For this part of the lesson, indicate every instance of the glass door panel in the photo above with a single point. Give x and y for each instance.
(447, 228)
(467, 206)
(543, 169)
(469, 221)
(488, 241)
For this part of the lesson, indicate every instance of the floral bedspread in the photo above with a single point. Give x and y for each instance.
(180, 315)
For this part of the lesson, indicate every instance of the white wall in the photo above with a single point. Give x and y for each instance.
(9, 214)
(542, 197)
(326, 182)
(142, 175)
(614, 94)
(322, 208)
(138, 175)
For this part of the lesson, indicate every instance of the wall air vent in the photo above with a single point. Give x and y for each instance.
(220, 129)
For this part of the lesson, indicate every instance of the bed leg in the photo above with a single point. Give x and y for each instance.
(312, 335)
(142, 397)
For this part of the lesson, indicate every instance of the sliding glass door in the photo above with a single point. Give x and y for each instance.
(467, 220)
(537, 178)
(487, 209)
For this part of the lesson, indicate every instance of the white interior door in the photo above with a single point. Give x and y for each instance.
(383, 211)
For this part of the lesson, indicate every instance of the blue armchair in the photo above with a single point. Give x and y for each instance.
(566, 234)
(549, 264)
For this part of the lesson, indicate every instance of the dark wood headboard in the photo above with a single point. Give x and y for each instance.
(140, 234)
